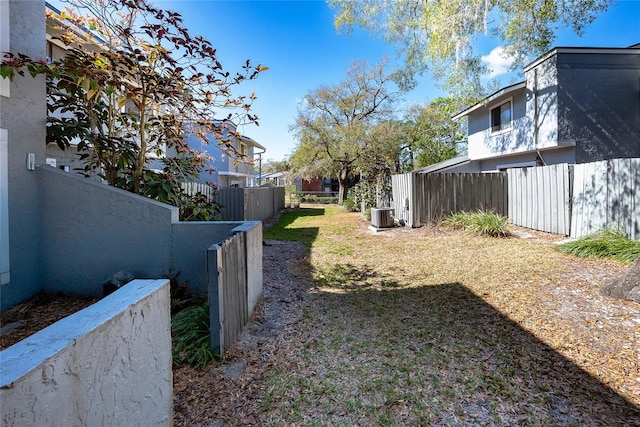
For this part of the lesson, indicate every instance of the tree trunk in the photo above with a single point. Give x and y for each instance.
(343, 181)
(626, 286)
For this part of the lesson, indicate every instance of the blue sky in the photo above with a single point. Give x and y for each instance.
(297, 40)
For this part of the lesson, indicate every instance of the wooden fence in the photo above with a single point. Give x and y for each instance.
(420, 198)
(242, 204)
(540, 198)
(229, 282)
(606, 194)
(573, 200)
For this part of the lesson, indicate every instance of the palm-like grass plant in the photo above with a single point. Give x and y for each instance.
(606, 243)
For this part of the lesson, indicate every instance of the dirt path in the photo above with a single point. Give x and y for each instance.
(230, 393)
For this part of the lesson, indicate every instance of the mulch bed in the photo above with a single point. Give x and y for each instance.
(37, 313)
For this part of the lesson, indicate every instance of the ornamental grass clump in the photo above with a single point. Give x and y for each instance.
(481, 222)
(190, 332)
(606, 243)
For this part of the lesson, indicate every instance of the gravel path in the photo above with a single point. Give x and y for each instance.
(229, 393)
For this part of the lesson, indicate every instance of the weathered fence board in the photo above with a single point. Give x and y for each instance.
(242, 204)
(403, 188)
(229, 283)
(539, 198)
(422, 198)
(606, 195)
(573, 200)
(232, 201)
(449, 193)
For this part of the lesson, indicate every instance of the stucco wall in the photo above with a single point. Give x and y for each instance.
(92, 231)
(599, 108)
(23, 115)
(190, 243)
(107, 365)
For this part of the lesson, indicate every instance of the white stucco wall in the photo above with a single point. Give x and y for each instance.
(107, 365)
(542, 105)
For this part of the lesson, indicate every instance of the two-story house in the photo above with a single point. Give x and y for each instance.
(576, 105)
(222, 169)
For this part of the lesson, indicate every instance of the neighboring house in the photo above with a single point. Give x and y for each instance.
(275, 178)
(576, 105)
(225, 170)
(321, 186)
(68, 159)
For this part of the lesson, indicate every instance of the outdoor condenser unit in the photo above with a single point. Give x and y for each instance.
(381, 217)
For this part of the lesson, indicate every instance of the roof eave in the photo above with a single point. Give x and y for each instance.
(490, 98)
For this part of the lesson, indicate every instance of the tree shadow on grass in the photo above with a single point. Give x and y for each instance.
(282, 230)
(290, 215)
(440, 355)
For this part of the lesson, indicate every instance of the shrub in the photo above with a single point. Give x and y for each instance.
(481, 222)
(606, 243)
(367, 214)
(350, 205)
(190, 332)
(311, 198)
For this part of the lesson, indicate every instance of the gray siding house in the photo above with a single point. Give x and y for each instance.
(224, 170)
(576, 105)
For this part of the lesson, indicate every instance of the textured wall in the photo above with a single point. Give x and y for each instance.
(107, 365)
(190, 243)
(23, 115)
(599, 108)
(484, 144)
(92, 230)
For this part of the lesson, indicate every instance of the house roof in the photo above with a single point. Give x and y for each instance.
(252, 142)
(597, 50)
(490, 98)
(445, 164)
(556, 50)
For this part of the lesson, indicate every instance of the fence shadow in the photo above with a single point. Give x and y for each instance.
(446, 351)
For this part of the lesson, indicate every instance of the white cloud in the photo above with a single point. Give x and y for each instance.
(498, 62)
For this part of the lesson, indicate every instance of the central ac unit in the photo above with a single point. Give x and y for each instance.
(381, 217)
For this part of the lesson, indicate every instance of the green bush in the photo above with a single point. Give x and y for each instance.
(606, 243)
(190, 332)
(312, 198)
(367, 214)
(481, 222)
(350, 205)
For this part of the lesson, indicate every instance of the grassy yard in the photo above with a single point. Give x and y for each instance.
(436, 327)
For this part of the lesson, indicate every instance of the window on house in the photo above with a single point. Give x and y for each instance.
(243, 149)
(501, 117)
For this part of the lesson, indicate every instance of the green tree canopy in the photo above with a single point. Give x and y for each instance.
(333, 123)
(440, 35)
(435, 136)
(134, 82)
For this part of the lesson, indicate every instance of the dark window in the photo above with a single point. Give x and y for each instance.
(501, 117)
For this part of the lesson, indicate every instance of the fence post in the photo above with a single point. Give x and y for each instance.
(214, 271)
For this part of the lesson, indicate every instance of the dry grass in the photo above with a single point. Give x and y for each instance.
(432, 327)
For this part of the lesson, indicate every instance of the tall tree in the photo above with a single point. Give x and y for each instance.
(333, 122)
(440, 35)
(436, 137)
(134, 81)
